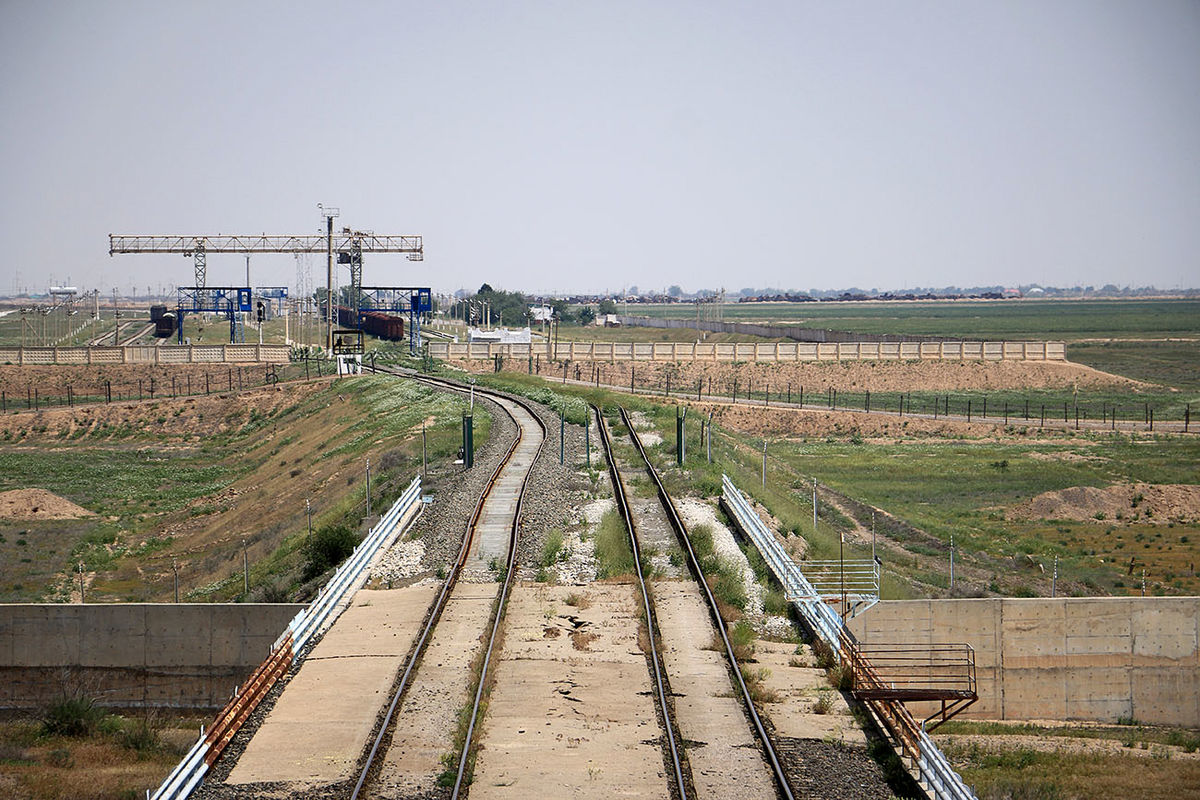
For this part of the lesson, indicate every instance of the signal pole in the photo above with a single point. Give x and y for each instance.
(329, 213)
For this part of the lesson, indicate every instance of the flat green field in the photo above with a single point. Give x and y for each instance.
(1068, 320)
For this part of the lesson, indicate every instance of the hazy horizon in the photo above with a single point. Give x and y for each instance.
(548, 147)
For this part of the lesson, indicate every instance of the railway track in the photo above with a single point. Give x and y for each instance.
(680, 773)
(690, 727)
(713, 745)
(108, 338)
(494, 525)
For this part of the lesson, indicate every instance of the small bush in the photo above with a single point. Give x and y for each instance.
(824, 702)
(742, 638)
(141, 737)
(72, 715)
(552, 548)
(327, 548)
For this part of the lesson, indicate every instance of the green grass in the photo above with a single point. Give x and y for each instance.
(1015, 319)
(613, 554)
(115, 481)
(1025, 773)
(1174, 363)
(138, 489)
(963, 488)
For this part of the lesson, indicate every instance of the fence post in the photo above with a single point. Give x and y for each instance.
(867, 402)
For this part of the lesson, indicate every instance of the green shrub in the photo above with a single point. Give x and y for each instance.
(613, 553)
(73, 714)
(327, 548)
(552, 548)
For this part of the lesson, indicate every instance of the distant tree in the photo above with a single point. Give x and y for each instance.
(633, 290)
(562, 311)
(511, 307)
(586, 315)
(675, 291)
(608, 307)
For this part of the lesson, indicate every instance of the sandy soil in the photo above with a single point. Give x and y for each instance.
(857, 376)
(202, 415)
(776, 422)
(1157, 504)
(38, 504)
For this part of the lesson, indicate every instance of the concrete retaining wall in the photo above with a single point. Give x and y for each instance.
(1064, 659)
(756, 351)
(136, 654)
(144, 354)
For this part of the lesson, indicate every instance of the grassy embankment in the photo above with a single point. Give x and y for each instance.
(167, 491)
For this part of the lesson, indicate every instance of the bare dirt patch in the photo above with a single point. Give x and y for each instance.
(38, 504)
(850, 376)
(1157, 504)
(788, 422)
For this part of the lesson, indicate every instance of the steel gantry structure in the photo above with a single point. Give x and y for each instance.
(350, 245)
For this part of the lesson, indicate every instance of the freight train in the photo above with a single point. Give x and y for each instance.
(164, 325)
(376, 323)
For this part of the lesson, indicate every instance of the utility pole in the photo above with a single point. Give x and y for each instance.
(329, 214)
(368, 487)
(308, 510)
(245, 568)
(952, 563)
(175, 569)
(814, 504)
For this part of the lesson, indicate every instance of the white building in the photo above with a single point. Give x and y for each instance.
(499, 335)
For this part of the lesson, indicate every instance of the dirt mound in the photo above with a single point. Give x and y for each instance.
(1129, 502)
(849, 376)
(38, 504)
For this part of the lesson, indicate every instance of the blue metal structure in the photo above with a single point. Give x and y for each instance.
(411, 300)
(228, 300)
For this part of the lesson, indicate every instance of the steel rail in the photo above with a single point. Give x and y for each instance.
(514, 534)
(647, 605)
(777, 771)
(439, 605)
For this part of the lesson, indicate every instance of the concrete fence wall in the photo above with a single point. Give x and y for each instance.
(134, 655)
(755, 351)
(1098, 659)
(147, 354)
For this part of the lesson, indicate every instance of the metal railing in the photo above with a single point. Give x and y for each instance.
(189, 772)
(852, 582)
(942, 782)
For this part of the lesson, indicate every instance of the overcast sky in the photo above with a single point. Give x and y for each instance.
(569, 146)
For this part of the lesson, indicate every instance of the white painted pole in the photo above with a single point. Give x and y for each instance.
(814, 504)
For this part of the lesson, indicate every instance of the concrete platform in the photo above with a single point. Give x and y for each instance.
(572, 717)
(320, 724)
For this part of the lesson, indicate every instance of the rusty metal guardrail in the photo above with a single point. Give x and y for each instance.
(190, 771)
(934, 770)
